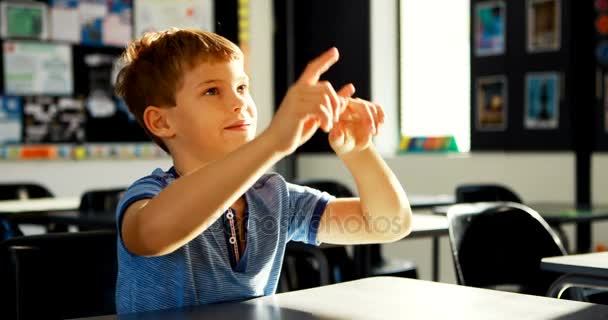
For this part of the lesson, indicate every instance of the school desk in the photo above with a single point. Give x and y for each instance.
(580, 270)
(387, 298)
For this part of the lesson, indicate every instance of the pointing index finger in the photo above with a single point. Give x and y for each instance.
(318, 66)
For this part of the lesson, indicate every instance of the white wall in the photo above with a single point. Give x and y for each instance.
(537, 177)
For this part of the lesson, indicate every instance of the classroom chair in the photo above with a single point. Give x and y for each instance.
(485, 192)
(342, 265)
(100, 200)
(499, 245)
(23, 190)
(496, 192)
(58, 275)
(304, 266)
(19, 191)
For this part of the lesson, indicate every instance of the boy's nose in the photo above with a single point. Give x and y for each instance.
(237, 103)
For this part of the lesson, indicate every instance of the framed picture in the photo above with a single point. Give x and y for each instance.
(23, 20)
(156, 15)
(542, 96)
(490, 28)
(605, 97)
(544, 25)
(10, 120)
(491, 103)
(53, 120)
(34, 68)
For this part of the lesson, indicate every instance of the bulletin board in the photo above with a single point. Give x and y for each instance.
(59, 61)
(532, 75)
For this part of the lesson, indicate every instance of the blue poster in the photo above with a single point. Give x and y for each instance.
(542, 101)
(490, 28)
(10, 120)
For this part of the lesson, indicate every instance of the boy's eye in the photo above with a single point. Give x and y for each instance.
(242, 88)
(211, 92)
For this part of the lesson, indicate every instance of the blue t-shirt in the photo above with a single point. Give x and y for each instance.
(201, 272)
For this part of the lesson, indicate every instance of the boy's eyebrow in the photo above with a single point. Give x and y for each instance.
(204, 82)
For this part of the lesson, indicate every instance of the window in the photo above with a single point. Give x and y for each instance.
(435, 68)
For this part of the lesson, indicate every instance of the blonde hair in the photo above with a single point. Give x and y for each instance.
(154, 66)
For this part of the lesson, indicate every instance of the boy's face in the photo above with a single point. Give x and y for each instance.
(215, 113)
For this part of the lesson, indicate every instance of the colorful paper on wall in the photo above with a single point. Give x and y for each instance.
(53, 120)
(10, 120)
(91, 15)
(117, 29)
(155, 15)
(428, 144)
(65, 20)
(24, 20)
(32, 68)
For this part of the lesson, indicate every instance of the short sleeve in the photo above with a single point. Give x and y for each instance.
(144, 188)
(306, 206)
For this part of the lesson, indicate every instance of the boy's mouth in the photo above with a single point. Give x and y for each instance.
(239, 125)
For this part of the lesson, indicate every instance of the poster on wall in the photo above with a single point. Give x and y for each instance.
(91, 14)
(542, 96)
(10, 120)
(491, 103)
(103, 108)
(65, 23)
(53, 120)
(117, 28)
(490, 28)
(544, 25)
(156, 15)
(32, 68)
(25, 20)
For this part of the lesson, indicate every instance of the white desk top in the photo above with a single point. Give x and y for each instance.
(591, 264)
(424, 201)
(401, 298)
(39, 205)
(428, 225)
(387, 298)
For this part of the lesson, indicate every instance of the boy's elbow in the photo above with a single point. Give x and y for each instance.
(141, 245)
(401, 226)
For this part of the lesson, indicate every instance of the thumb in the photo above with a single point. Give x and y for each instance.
(345, 93)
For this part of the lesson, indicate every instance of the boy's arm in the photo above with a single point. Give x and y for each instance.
(382, 213)
(193, 202)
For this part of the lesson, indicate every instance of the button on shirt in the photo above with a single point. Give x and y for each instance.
(201, 272)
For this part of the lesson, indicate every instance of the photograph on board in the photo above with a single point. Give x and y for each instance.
(491, 103)
(490, 31)
(544, 25)
(542, 100)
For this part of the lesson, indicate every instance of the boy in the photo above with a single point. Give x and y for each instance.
(214, 227)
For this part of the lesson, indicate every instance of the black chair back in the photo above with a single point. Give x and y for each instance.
(103, 200)
(500, 245)
(485, 192)
(19, 191)
(16, 191)
(307, 266)
(58, 275)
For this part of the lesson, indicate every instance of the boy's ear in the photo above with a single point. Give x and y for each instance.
(157, 122)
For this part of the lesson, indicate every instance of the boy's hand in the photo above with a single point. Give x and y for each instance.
(358, 123)
(308, 105)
